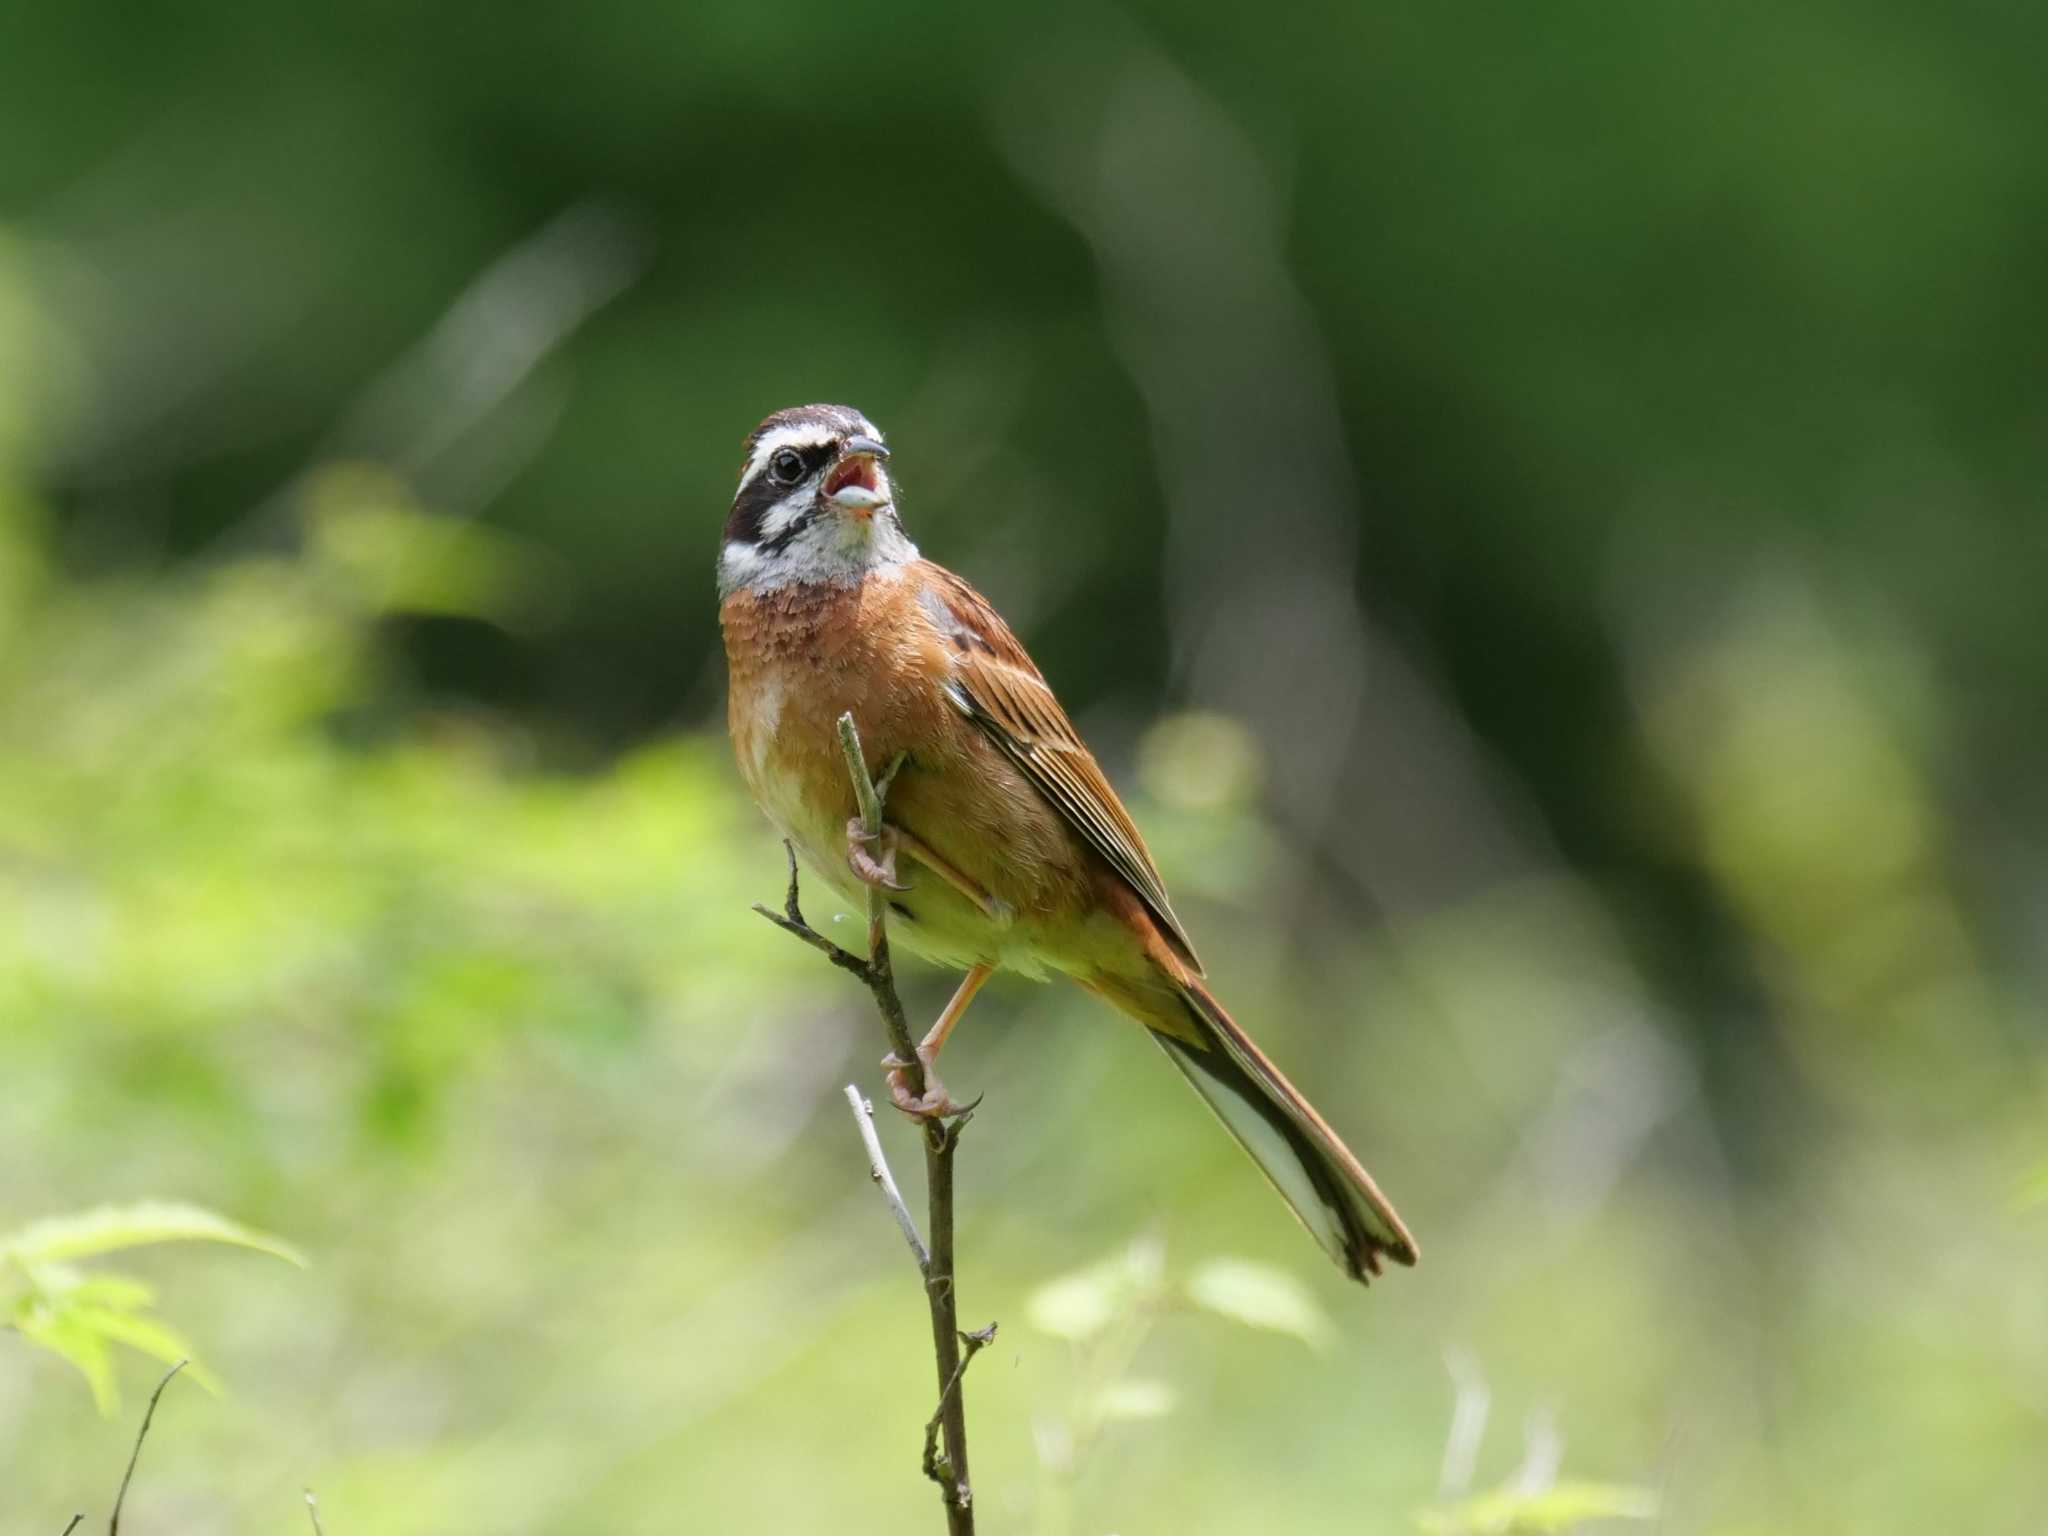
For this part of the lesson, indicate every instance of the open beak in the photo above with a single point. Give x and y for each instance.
(855, 483)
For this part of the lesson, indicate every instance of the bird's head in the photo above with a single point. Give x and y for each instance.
(814, 504)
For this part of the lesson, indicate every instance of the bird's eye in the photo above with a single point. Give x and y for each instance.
(787, 466)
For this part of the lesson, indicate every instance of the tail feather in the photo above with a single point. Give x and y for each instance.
(1313, 1171)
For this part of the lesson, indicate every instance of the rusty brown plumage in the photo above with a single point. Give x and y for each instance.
(1019, 853)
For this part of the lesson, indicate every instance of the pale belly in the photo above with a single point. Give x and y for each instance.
(780, 753)
(931, 919)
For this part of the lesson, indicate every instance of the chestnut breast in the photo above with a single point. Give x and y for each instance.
(802, 655)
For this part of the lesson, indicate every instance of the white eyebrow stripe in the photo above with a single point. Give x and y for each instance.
(804, 434)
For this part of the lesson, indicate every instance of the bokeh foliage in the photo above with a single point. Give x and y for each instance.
(1541, 508)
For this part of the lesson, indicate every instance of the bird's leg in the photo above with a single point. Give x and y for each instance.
(936, 1102)
(993, 908)
(872, 855)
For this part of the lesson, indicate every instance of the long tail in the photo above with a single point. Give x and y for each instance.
(1315, 1173)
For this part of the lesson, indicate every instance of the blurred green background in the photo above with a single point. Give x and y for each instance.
(1538, 508)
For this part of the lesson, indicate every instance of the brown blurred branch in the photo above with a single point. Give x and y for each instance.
(947, 1468)
(149, 1413)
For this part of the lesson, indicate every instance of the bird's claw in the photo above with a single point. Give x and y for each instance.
(872, 856)
(934, 1104)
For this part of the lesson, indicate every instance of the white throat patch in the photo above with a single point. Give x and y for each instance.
(831, 548)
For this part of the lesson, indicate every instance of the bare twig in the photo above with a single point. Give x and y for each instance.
(121, 1497)
(74, 1523)
(951, 1475)
(791, 920)
(941, 1138)
(865, 790)
(878, 1170)
(881, 976)
(976, 1341)
(313, 1513)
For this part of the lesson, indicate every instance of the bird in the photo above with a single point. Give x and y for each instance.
(1004, 846)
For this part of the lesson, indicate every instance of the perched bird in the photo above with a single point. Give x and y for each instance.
(1004, 845)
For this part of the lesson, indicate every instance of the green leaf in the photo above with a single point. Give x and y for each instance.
(1076, 1306)
(1260, 1296)
(157, 1340)
(109, 1228)
(78, 1315)
(124, 1293)
(1508, 1512)
(1080, 1305)
(59, 1330)
(1134, 1399)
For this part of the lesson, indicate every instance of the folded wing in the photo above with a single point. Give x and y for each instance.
(996, 686)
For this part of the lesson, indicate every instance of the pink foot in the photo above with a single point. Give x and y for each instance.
(935, 1104)
(872, 857)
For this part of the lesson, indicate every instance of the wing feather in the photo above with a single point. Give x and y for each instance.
(996, 685)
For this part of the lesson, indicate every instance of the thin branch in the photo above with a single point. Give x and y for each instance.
(881, 973)
(313, 1513)
(791, 920)
(976, 1341)
(878, 1170)
(888, 774)
(866, 792)
(940, 1142)
(149, 1413)
(941, 1139)
(74, 1523)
